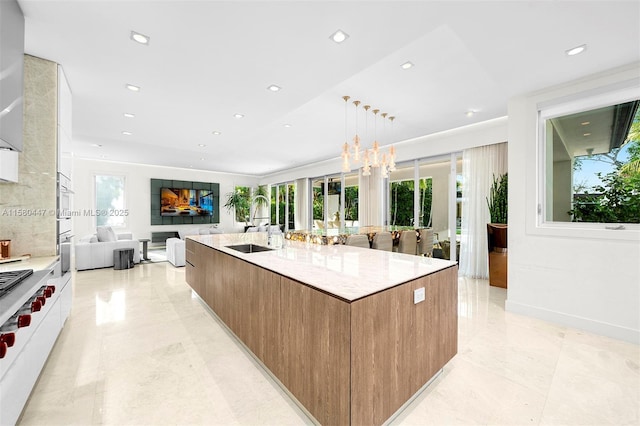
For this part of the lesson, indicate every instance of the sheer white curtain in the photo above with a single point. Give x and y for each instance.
(479, 165)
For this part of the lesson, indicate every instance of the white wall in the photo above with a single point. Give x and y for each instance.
(138, 183)
(587, 278)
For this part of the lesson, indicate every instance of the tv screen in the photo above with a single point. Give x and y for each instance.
(186, 202)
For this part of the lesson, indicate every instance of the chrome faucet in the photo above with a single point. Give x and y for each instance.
(266, 200)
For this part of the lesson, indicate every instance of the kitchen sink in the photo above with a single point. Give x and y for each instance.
(249, 248)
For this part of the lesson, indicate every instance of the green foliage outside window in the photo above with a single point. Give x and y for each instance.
(426, 193)
(402, 202)
(318, 204)
(291, 192)
(351, 203)
(617, 199)
(240, 201)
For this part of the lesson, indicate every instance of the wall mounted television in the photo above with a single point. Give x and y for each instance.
(186, 202)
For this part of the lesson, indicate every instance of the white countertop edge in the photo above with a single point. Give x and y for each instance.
(35, 263)
(347, 272)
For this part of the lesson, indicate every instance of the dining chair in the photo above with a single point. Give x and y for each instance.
(382, 241)
(359, 240)
(425, 246)
(408, 242)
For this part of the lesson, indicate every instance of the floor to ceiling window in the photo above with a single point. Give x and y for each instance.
(439, 181)
(401, 196)
(425, 194)
(317, 204)
(279, 202)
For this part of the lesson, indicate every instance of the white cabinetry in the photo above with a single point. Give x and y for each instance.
(21, 366)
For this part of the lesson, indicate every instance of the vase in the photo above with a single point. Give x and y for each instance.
(497, 245)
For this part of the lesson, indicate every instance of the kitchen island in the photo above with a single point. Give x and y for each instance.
(352, 333)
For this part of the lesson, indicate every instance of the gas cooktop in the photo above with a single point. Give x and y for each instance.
(10, 279)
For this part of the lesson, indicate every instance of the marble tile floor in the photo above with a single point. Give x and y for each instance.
(138, 349)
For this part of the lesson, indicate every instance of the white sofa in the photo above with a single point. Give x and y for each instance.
(92, 254)
(176, 247)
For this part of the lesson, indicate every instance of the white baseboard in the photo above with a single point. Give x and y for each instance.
(587, 324)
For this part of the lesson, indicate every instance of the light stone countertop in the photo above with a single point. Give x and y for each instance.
(347, 272)
(35, 263)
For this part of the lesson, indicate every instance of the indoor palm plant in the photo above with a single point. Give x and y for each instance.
(497, 231)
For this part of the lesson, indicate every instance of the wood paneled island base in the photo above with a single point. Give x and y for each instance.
(346, 361)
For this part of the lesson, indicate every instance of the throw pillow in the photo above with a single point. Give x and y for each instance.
(106, 234)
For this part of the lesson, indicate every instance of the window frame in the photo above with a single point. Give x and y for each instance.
(546, 110)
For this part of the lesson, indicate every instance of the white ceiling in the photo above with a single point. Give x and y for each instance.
(210, 59)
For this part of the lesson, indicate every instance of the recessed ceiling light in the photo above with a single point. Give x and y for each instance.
(127, 133)
(140, 38)
(339, 36)
(586, 134)
(406, 65)
(129, 115)
(201, 145)
(585, 123)
(215, 132)
(97, 145)
(576, 50)
(274, 88)
(133, 88)
(286, 125)
(236, 115)
(470, 113)
(201, 158)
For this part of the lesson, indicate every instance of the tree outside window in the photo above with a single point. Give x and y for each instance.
(242, 203)
(606, 185)
(351, 203)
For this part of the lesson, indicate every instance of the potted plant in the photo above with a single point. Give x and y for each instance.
(497, 231)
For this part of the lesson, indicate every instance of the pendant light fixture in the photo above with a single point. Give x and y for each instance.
(373, 157)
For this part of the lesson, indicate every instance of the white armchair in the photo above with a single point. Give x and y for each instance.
(176, 251)
(176, 247)
(92, 254)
